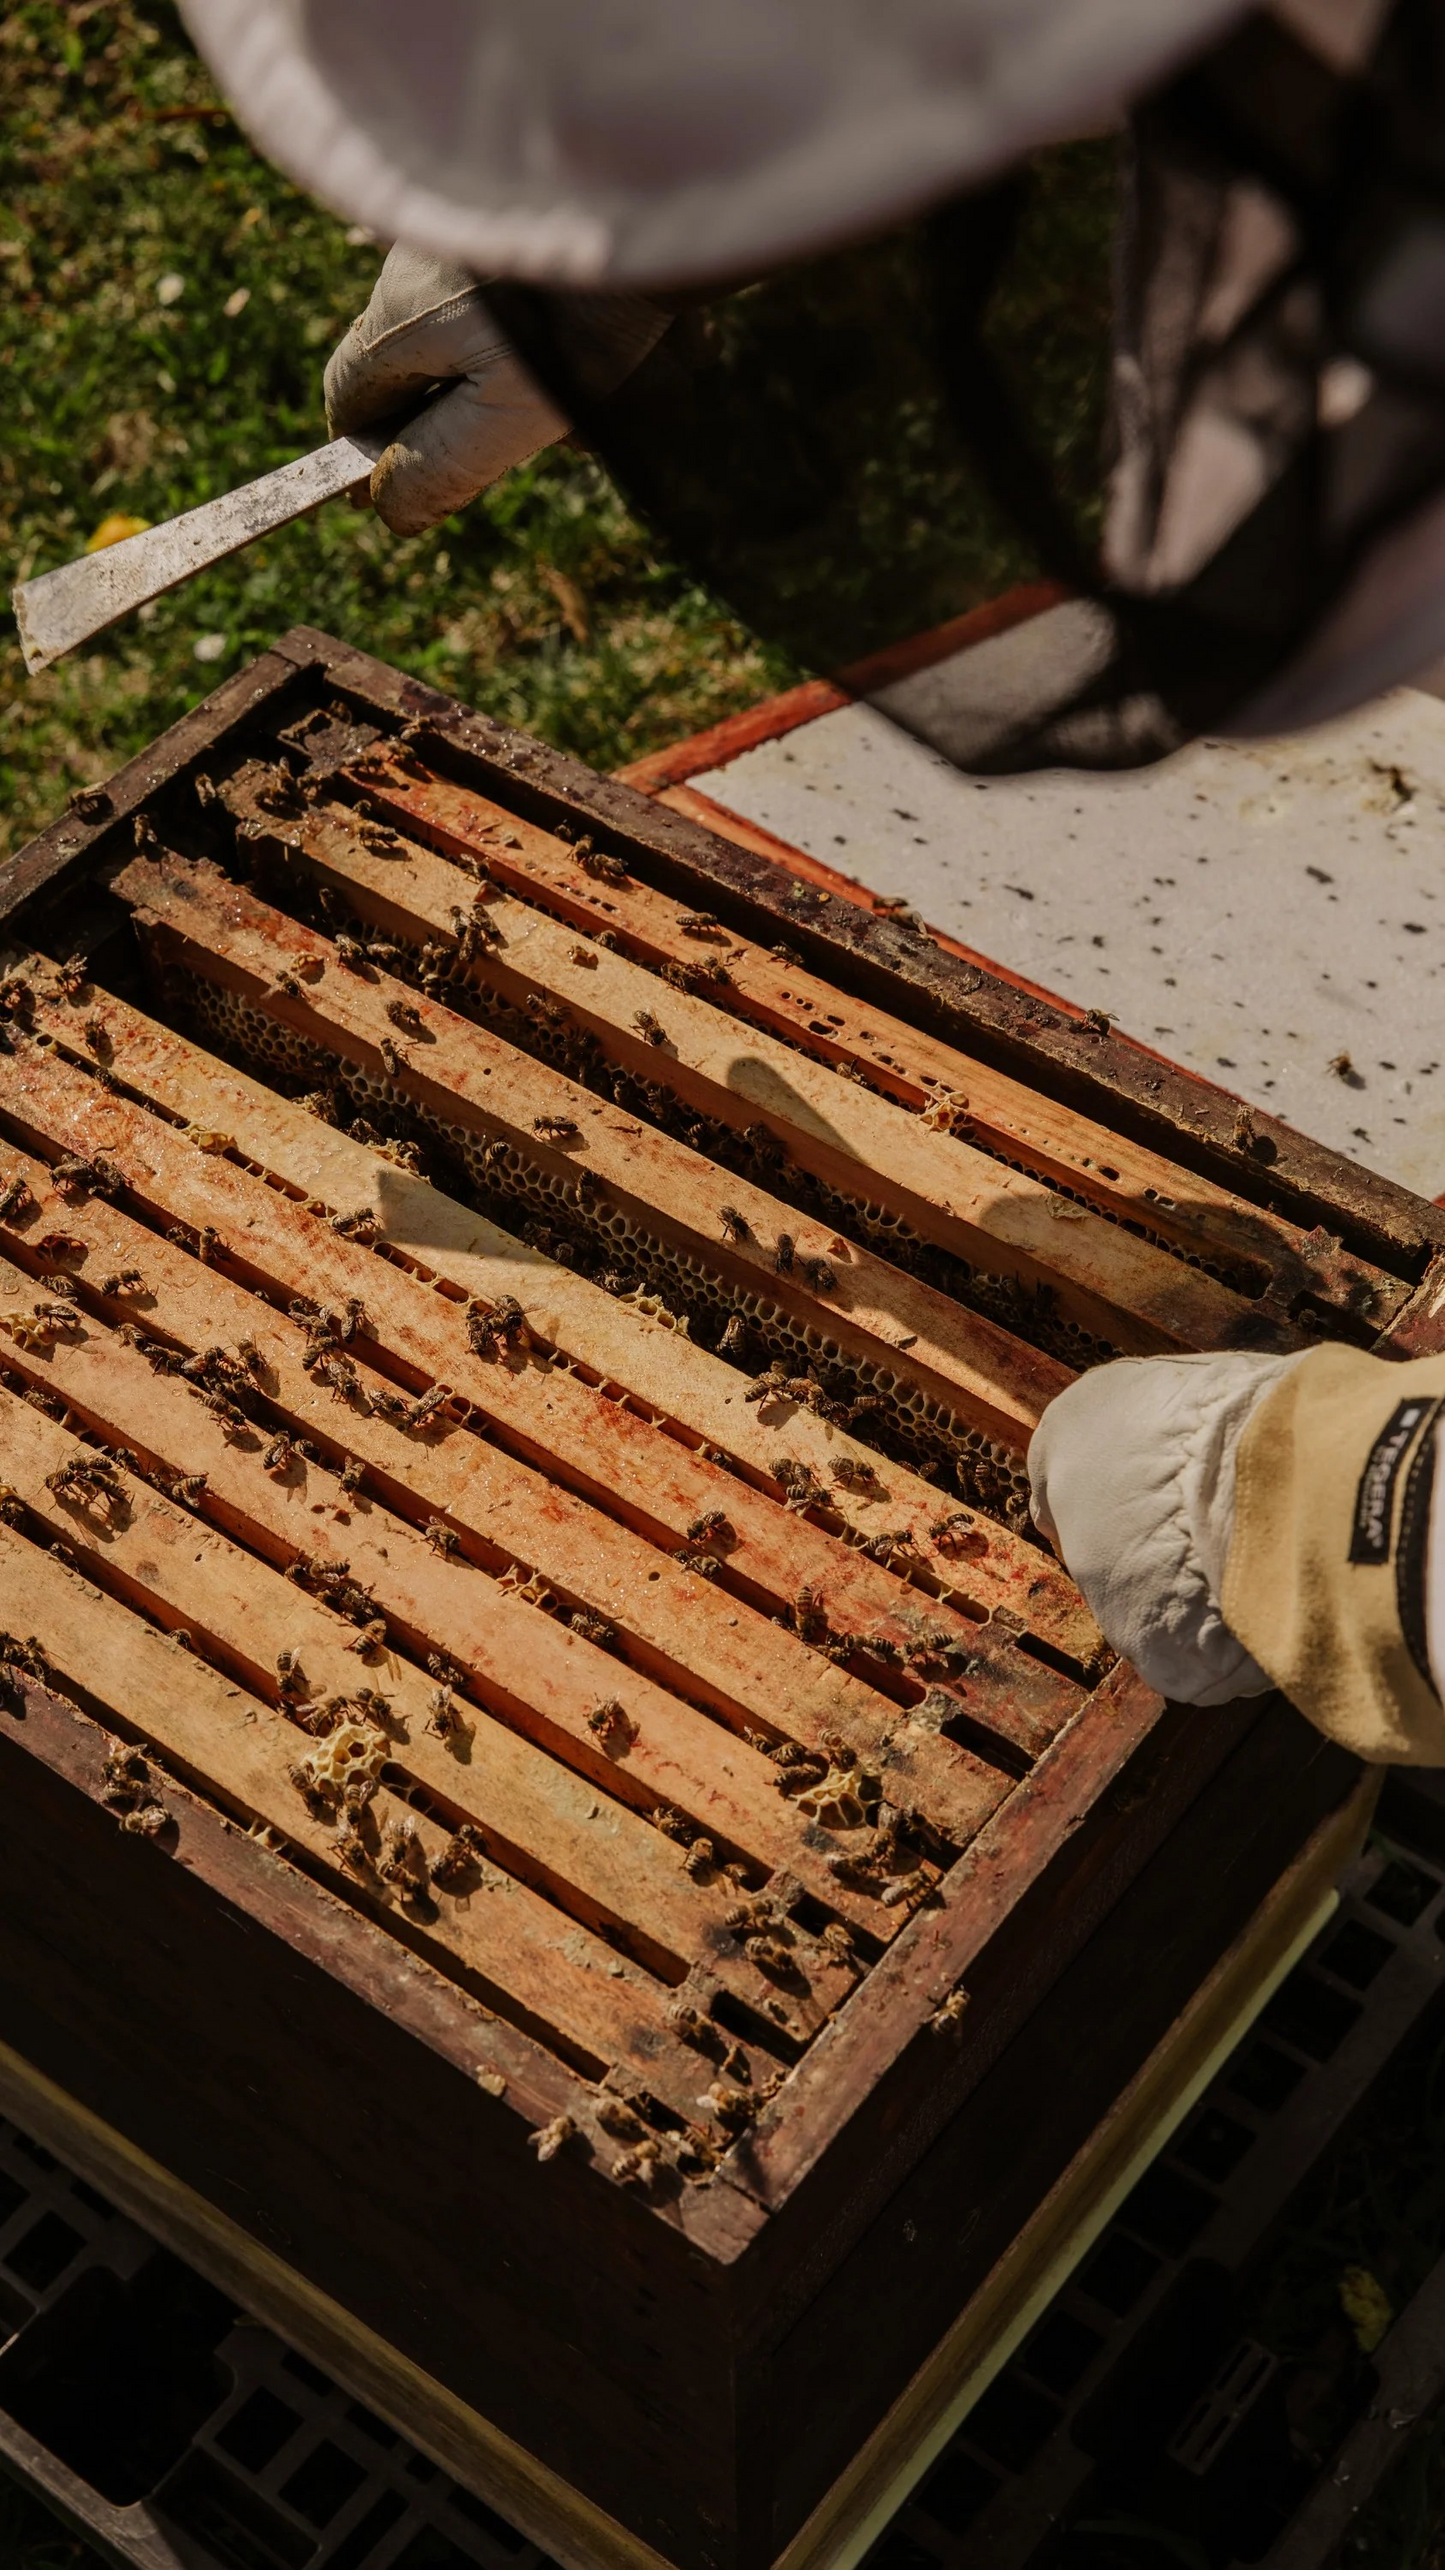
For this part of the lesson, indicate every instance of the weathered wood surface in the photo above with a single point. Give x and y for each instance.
(639, 1410)
(863, 1146)
(1023, 1126)
(463, 1076)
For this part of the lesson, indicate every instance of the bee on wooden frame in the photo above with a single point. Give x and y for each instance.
(446, 1717)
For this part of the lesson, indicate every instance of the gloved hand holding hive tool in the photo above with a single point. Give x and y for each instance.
(428, 323)
(1274, 546)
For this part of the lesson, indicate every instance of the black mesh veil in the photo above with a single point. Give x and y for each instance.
(1210, 404)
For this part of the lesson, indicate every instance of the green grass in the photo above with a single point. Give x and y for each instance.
(544, 603)
(167, 304)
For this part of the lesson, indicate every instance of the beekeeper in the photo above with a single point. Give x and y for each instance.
(1274, 548)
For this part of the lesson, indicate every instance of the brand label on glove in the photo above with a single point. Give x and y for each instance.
(1375, 1498)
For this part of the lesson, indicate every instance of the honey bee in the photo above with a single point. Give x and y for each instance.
(801, 1486)
(638, 2166)
(91, 1477)
(12, 1506)
(613, 1725)
(127, 1280)
(600, 863)
(278, 1454)
(402, 1014)
(734, 1338)
(711, 1528)
(361, 1225)
(290, 1677)
(371, 1638)
(392, 1062)
(17, 999)
(72, 980)
(97, 1038)
(853, 1473)
(147, 1820)
(351, 952)
(423, 1410)
(441, 1538)
(810, 1620)
(289, 986)
(819, 1274)
(698, 923)
(503, 1326)
(904, 1887)
(648, 1026)
(735, 1225)
(207, 1138)
(730, 2107)
(950, 2012)
(593, 1628)
(96, 1176)
(457, 1864)
(404, 1865)
(555, 1128)
(445, 1716)
(16, 1200)
(549, 2139)
(700, 1859)
(673, 1824)
(353, 1473)
(1099, 1021)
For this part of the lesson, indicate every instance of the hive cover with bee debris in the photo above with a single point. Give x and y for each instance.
(532, 1463)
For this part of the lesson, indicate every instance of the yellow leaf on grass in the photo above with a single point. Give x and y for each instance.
(114, 530)
(1366, 2306)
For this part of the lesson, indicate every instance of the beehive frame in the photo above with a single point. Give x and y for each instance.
(661, 1745)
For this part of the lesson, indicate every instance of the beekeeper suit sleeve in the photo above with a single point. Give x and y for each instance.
(1238, 1522)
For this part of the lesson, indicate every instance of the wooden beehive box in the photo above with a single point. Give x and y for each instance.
(555, 1820)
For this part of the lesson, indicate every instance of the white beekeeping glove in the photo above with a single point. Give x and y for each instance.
(428, 326)
(1133, 1484)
